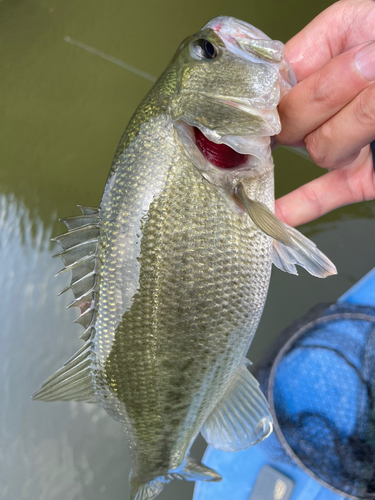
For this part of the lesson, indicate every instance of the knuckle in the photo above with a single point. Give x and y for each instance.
(364, 109)
(361, 181)
(287, 117)
(359, 184)
(314, 200)
(323, 92)
(316, 145)
(313, 148)
(346, 181)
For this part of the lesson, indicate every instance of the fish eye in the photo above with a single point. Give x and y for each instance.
(203, 49)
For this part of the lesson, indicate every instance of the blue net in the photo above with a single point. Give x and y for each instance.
(319, 380)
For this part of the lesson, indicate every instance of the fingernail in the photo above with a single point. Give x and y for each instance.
(365, 61)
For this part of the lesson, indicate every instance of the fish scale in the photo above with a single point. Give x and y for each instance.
(196, 304)
(171, 272)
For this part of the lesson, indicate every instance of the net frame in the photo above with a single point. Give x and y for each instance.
(271, 384)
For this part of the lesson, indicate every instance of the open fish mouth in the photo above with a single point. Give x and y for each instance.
(224, 161)
(218, 154)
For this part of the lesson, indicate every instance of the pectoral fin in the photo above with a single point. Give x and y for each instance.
(241, 418)
(290, 246)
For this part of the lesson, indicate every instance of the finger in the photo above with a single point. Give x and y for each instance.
(337, 142)
(342, 26)
(339, 187)
(321, 95)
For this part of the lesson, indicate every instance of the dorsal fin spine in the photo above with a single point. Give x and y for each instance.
(88, 333)
(77, 263)
(76, 230)
(85, 313)
(88, 210)
(74, 247)
(79, 221)
(77, 282)
(87, 317)
(83, 235)
(78, 301)
(74, 380)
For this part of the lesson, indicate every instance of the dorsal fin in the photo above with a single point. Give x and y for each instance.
(72, 381)
(80, 244)
(80, 256)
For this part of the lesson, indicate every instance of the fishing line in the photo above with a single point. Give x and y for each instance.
(114, 60)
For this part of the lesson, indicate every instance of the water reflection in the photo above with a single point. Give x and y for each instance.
(47, 451)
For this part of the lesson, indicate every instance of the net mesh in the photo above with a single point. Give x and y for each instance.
(319, 380)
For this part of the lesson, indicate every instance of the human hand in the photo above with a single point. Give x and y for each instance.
(331, 110)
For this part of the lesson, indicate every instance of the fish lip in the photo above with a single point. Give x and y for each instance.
(225, 25)
(232, 31)
(246, 104)
(267, 114)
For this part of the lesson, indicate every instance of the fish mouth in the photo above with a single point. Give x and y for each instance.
(218, 154)
(219, 162)
(230, 152)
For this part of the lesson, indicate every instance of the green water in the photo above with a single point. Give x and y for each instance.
(63, 111)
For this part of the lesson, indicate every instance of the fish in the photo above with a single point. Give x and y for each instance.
(171, 271)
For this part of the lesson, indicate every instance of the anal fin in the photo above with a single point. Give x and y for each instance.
(241, 418)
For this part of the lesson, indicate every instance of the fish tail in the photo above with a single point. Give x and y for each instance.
(145, 491)
(192, 470)
(189, 469)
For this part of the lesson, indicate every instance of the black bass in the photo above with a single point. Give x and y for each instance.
(171, 272)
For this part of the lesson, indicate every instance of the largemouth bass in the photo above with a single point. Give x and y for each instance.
(171, 272)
